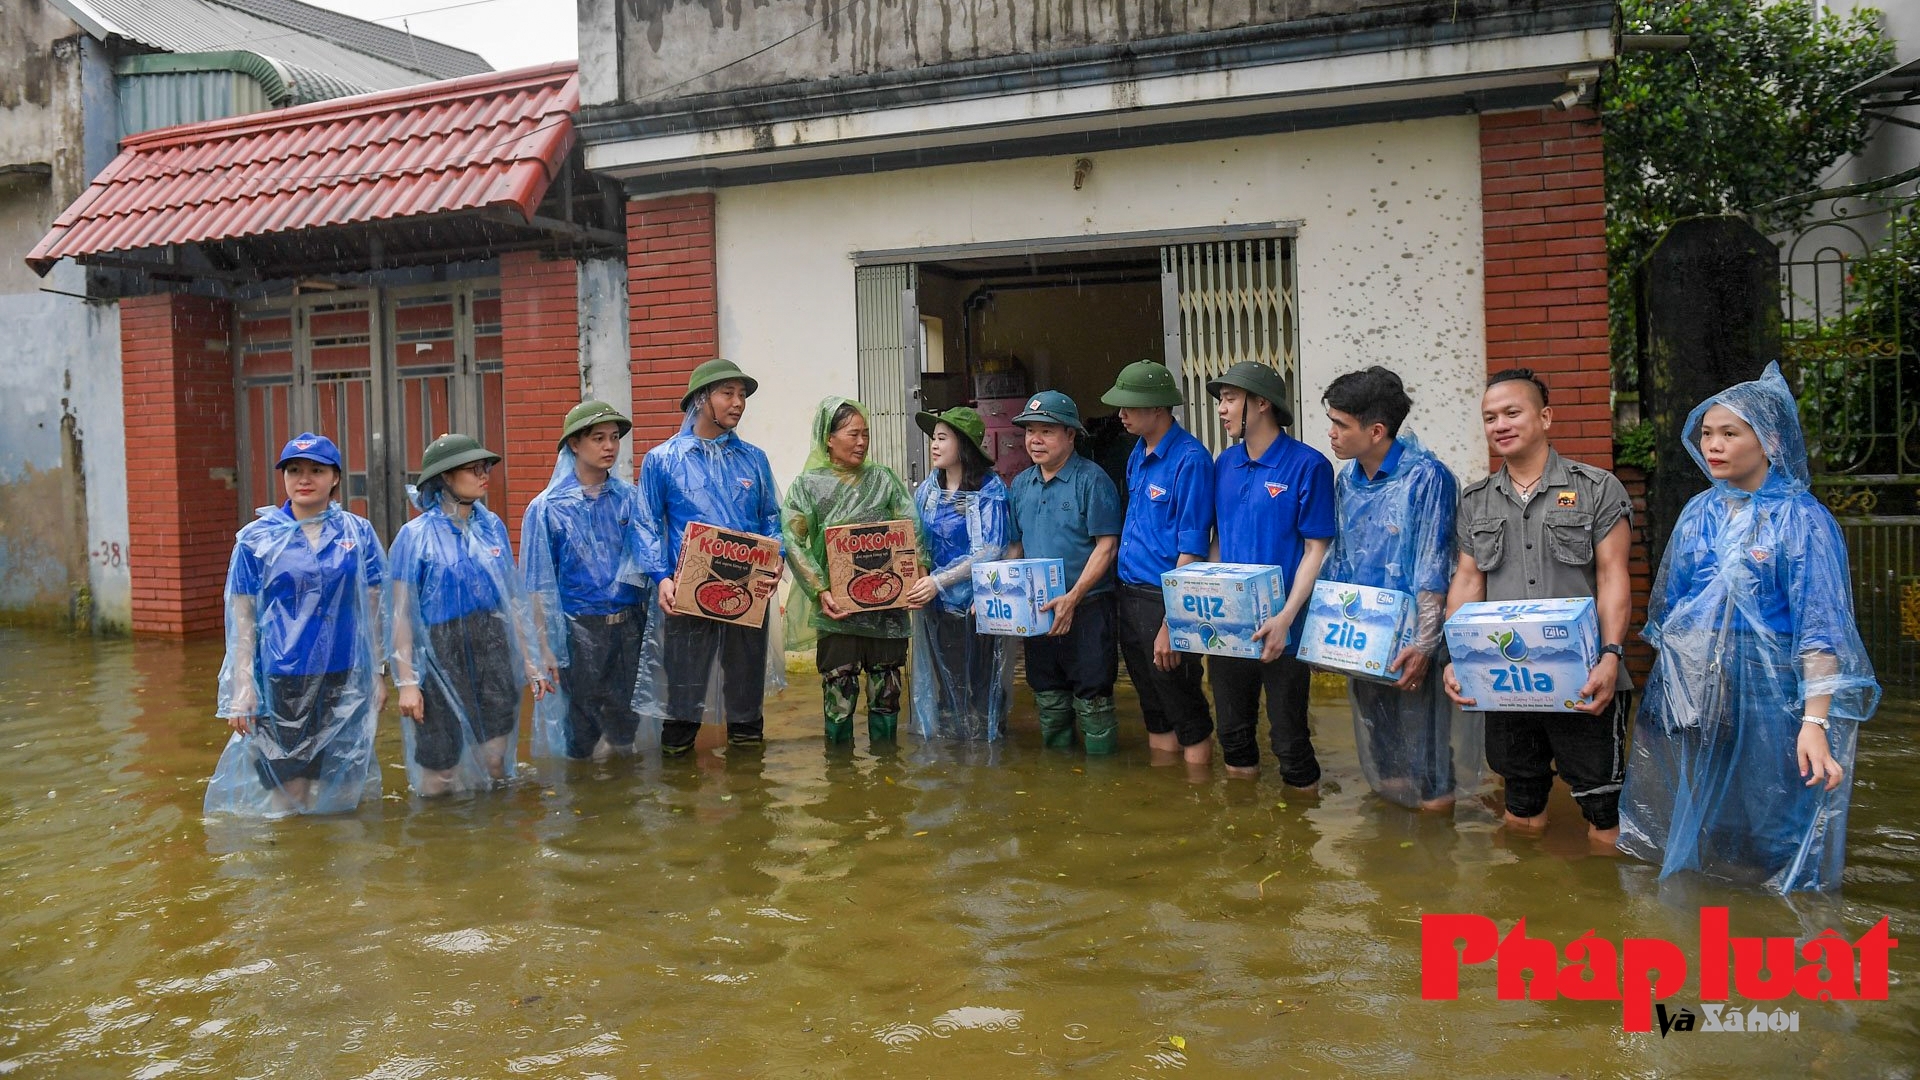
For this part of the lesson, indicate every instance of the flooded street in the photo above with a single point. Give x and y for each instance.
(935, 911)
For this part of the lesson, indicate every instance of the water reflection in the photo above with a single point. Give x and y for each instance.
(799, 910)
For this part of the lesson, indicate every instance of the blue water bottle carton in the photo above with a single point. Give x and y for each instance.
(1356, 630)
(1524, 655)
(1007, 595)
(1214, 608)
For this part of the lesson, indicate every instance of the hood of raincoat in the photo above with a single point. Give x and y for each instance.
(818, 456)
(1767, 405)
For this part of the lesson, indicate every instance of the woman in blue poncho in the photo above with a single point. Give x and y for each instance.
(1742, 761)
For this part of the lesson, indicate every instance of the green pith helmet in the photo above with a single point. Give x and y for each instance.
(715, 371)
(1143, 385)
(450, 452)
(1259, 380)
(1051, 407)
(583, 416)
(961, 419)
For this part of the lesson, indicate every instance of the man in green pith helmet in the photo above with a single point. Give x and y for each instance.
(1169, 523)
(708, 474)
(575, 543)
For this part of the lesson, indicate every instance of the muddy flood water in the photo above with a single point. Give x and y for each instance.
(930, 911)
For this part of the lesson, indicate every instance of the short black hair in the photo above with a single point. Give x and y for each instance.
(1373, 396)
(1519, 374)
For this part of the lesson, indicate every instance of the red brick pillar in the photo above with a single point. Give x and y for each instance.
(177, 391)
(540, 359)
(674, 311)
(1546, 266)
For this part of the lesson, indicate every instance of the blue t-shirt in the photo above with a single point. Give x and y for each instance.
(724, 482)
(451, 571)
(1062, 517)
(587, 540)
(951, 521)
(309, 603)
(1265, 509)
(1169, 507)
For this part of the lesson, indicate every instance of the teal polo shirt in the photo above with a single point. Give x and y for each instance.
(1062, 517)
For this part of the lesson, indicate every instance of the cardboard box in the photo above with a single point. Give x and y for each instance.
(871, 566)
(1214, 608)
(1356, 630)
(1007, 595)
(1525, 655)
(726, 576)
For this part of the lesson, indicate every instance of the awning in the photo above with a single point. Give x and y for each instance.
(440, 169)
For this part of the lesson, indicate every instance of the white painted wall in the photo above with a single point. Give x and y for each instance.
(1390, 258)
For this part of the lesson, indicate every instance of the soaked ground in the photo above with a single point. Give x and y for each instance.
(927, 912)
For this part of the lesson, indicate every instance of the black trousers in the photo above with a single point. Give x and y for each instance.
(467, 687)
(1590, 751)
(1237, 683)
(602, 665)
(1170, 701)
(1083, 659)
(303, 714)
(689, 644)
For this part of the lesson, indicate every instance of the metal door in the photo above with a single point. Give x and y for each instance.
(1224, 302)
(888, 343)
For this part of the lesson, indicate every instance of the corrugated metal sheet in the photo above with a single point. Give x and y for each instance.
(375, 39)
(488, 141)
(186, 97)
(397, 59)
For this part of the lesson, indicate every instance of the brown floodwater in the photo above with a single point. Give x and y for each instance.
(930, 911)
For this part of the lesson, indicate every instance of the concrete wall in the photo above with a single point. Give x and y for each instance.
(63, 506)
(670, 48)
(1893, 148)
(1390, 257)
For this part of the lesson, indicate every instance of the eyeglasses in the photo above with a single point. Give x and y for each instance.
(477, 468)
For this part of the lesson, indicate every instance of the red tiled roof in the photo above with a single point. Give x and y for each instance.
(482, 142)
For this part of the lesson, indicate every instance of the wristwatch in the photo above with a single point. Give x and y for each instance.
(1818, 721)
(1619, 652)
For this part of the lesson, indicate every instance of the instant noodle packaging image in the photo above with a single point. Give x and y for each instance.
(871, 566)
(1524, 655)
(726, 576)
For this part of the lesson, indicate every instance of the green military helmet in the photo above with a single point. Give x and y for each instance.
(583, 416)
(715, 371)
(1260, 380)
(449, 452)
(1144, 384)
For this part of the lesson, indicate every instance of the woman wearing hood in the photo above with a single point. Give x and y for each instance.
(841, 487)
(298, 686)
(1742, 760)
(463, 638)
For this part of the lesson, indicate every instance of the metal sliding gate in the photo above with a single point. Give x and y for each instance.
(381, 372)
(1225, 302)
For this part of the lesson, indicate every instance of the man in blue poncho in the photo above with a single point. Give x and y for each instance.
(708, 474)
(1395, 502)
(1544, 527)
(574, 544)
(1743, 748)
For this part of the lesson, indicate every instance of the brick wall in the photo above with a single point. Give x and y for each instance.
(1546, 266)
(540, 360)
(1639, 563)
(674, 312)
(177, 391)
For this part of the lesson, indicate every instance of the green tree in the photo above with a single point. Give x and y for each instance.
(1754, 109)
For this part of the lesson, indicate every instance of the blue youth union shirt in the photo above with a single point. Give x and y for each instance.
(307, 612)
(453, 571)
(1267, 508)
(587, 537)
(1169, 507)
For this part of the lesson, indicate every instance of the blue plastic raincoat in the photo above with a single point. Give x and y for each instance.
(583, 555)
(1396, 532)
(1752, 615)
(961, 682)
(461, 629)
(302, 609)
(725, 482)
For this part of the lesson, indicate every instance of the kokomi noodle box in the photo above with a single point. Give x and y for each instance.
(871, 566)
(726, 575)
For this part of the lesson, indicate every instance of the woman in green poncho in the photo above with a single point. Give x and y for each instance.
(841, 487)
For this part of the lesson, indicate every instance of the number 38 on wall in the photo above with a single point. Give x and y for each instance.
(109, 554)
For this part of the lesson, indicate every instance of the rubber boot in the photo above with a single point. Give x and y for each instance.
(1098, 728)
(839, 695)
(1056, 717)
(881, 727)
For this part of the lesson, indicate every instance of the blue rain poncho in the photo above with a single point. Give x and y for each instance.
(725, 482)
(823, 496)
(1396, 532)
(461, 630)
(582, 555)
(302, 610)
(1751, 616)
(961, 682)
